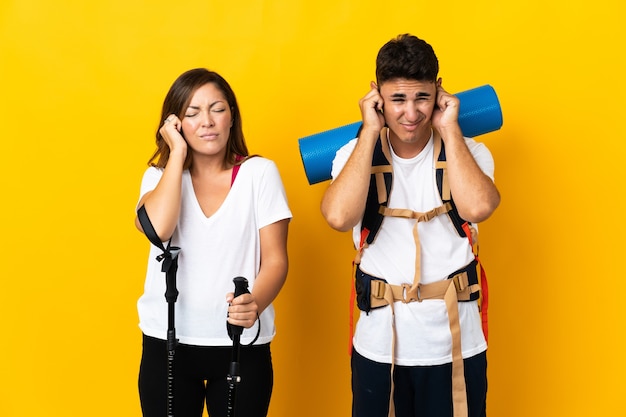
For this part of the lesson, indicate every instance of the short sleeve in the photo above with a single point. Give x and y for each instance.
(482, 156)
(151, 178)
(272, 198)
(341, 157)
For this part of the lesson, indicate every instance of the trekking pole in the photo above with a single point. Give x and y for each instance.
(170, 266)
(234, 332)
(169, 257)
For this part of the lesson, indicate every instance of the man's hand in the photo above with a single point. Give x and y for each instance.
(446, 111)
(371, 110)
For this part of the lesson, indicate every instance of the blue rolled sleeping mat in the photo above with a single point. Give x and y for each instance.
(479, 113)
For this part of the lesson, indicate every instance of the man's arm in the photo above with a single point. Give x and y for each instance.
(475, 195)
(343, 203)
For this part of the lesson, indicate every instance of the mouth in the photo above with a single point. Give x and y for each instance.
(410, 126)
(208, 136)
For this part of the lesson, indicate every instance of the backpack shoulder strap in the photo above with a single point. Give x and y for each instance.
(379, 190)
(441, 177)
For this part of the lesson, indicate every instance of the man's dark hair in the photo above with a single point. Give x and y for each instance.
(408, 57)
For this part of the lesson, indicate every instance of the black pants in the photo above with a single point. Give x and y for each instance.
(420, 391)
(200, 376)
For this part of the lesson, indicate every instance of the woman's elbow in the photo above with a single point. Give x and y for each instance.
(138, 224)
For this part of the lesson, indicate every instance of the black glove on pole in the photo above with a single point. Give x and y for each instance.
(234, 332)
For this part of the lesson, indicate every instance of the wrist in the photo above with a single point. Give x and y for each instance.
(450, 131)
(369, 132)
(179, 152)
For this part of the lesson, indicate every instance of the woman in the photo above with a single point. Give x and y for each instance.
(229, 215)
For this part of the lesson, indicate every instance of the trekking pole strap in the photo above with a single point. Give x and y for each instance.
(169, 257)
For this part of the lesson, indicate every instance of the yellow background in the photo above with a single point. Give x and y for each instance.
(81, 86)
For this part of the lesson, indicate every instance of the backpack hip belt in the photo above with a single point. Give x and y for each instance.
(456, 288)
(465, 283)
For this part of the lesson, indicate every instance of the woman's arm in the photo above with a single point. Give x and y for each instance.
(244, 309)
(163, 203)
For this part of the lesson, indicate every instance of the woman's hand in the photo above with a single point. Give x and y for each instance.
(171, 131)
(243, 310)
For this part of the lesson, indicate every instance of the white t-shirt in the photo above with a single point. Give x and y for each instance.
(214, 250)
(422, 328)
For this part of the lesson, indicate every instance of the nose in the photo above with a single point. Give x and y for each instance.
(410, 112)
(207, 120)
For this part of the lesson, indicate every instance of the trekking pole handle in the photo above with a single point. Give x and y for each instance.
(241, 287)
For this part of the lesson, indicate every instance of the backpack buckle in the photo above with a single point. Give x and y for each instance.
(408, 295)
(460, 281)
(377, 288)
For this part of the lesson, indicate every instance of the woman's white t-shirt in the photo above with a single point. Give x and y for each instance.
(214, 250)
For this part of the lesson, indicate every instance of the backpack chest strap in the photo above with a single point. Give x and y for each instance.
(419, 216)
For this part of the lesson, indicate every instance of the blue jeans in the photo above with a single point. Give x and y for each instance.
(424, 391)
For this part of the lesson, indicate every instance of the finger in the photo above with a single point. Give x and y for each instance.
(442, 98)
(242, 299)
(442, 103)
(375, 98)
(240, 311)
(171, 126)
(246, 322)
(170, 118)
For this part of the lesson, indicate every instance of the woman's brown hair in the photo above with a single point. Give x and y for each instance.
(176, 102)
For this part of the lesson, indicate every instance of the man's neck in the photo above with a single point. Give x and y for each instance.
(407, 150)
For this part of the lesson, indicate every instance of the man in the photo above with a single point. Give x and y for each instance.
(412, 324)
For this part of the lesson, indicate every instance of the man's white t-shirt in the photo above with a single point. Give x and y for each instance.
(422, 328)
